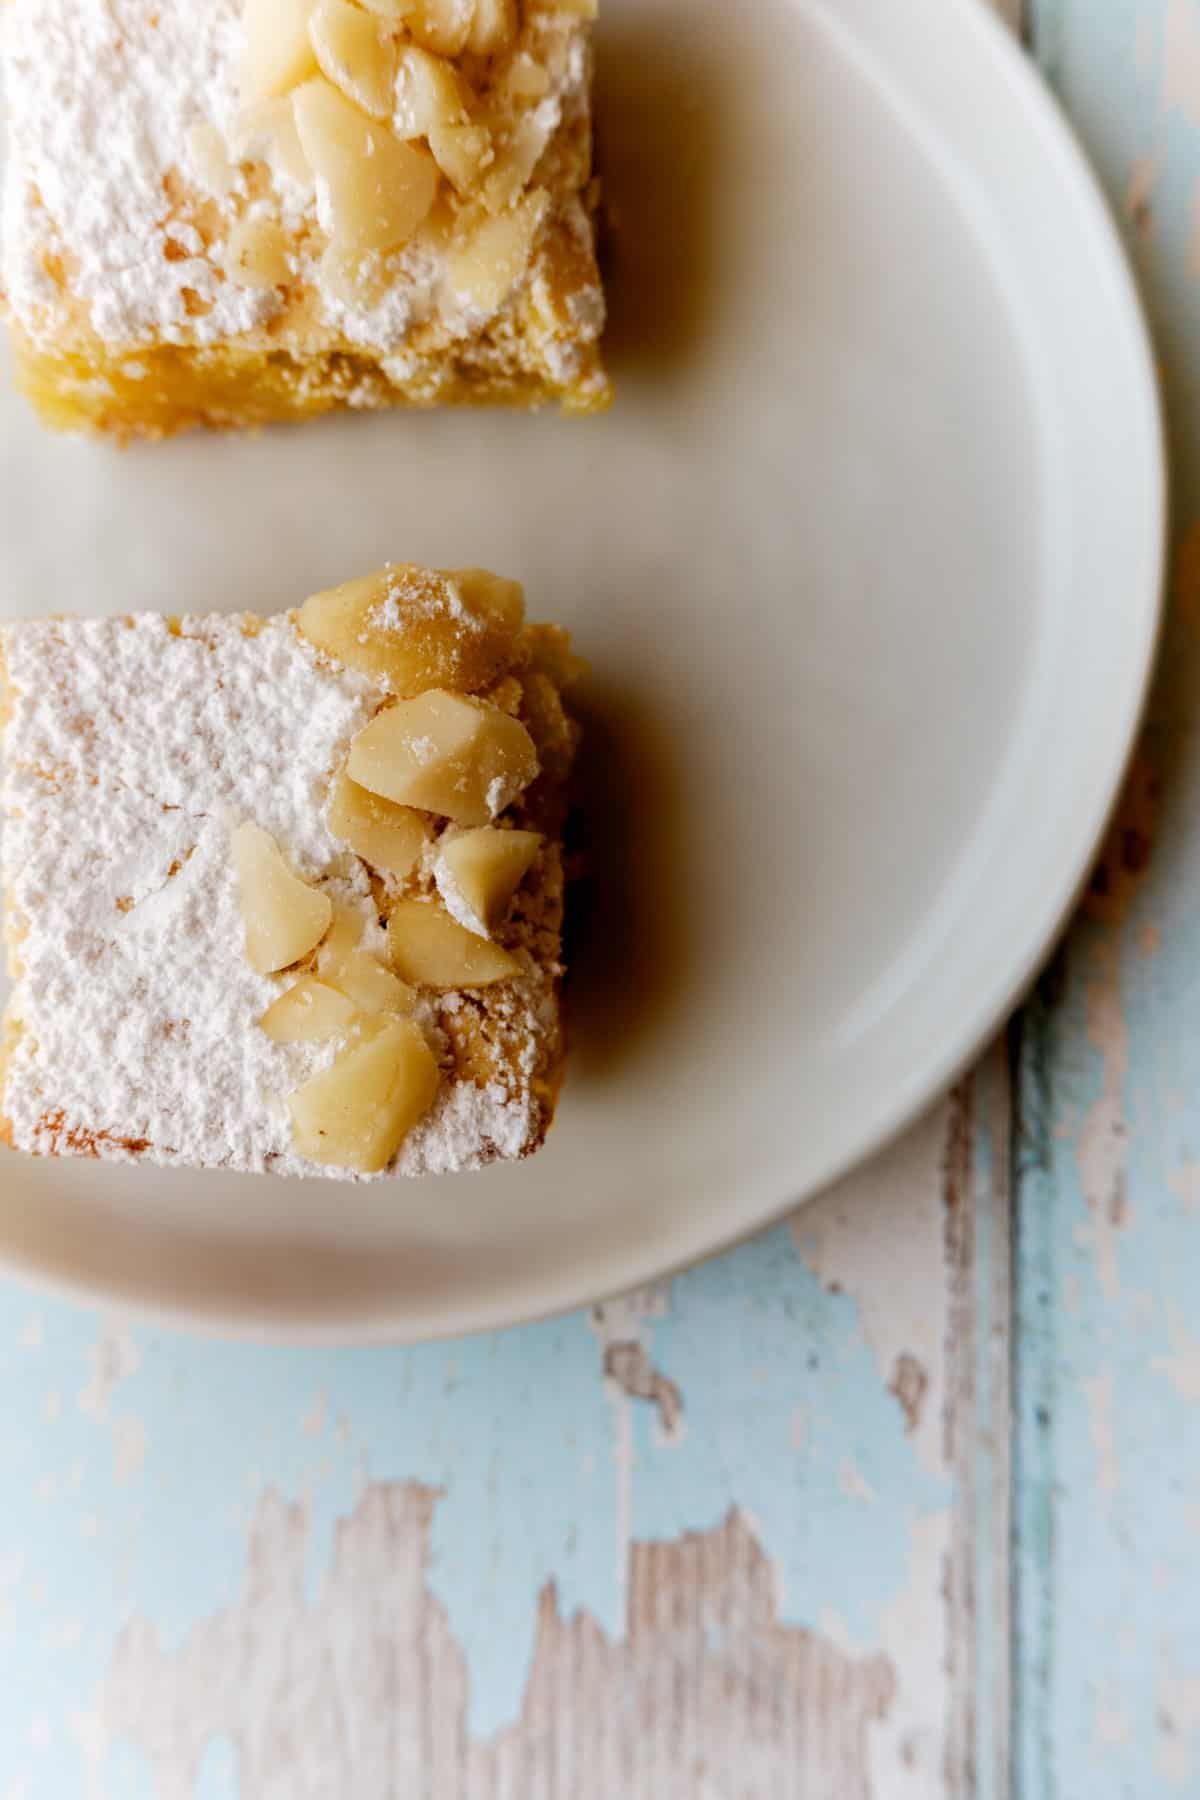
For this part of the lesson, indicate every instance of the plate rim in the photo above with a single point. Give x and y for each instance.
(567, 1288)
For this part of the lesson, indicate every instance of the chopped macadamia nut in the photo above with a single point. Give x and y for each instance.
(441, 25)
(364, 980)
(355, 53)
(419, 628)
(309, 1013)
(430, 949)
(445, 754)
(429, 93)
(344, 964)
(461, 152)
(479, 871)
(524, 79)
(344, 935)
(389, 837)
(517, 161)
(258, 253)
(357, 1113)
(378, 188)
(483, 271)
(278, 51)
(285, 918)
(493, 27)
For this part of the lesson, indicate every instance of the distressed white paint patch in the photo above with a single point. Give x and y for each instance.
(877, 1237)
(1182, 1367)
(111, 1360)
(622, 1324)
(624, 1461)
(12, 1573)
(1184, 1182)
(129, 1448)
(1181, 60)
(313, 1422)
(365, 1689)
(624, 1320)
(33, 1334)
(854, 1484)
(1098, 1394)
(906, 1749)
(1177, 1720)
(90, 1733)
(1113, 1724)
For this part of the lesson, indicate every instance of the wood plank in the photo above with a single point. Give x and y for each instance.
(1108, 1257)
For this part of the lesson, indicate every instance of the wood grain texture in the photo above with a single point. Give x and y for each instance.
(1107, 1250)
(705, 1693)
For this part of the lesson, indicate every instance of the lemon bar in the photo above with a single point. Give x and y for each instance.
(228, 212)
(285, 894)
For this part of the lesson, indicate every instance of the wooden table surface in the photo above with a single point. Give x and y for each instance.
(900, 1502)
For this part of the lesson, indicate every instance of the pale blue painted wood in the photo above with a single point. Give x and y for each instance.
(1108, 1244)
(131, 1495)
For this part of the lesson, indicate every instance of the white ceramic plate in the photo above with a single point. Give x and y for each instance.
(866, 561)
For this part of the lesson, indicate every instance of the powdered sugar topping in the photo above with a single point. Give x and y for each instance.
(117, 112)
(132, 751)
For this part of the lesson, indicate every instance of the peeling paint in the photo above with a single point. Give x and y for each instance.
(1185, 1183)
(311, 1707)
(875, 1239)
(1114, 1727)
(1182, 1367)
(906, 1755)
(129, 1448)
(1177, 1721)
(112, 1360)
(629, 1365)
(853, 1483)
(313, 1422)
(560, 1514)
(909, 1383)
(1098, 1393)
(1181, 60)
